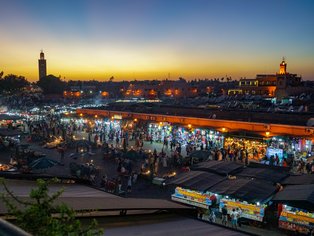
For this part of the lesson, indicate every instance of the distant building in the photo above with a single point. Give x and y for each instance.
(84, 91)
(269, 85)
(42, 66)
(287, 84)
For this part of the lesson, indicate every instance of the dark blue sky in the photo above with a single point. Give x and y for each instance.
(151, 38)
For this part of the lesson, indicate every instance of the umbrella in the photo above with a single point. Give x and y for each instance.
(200, 154)
(43, 163)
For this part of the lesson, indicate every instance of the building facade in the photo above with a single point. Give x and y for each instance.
(270, 85)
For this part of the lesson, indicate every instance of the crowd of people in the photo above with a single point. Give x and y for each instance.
(113, 138)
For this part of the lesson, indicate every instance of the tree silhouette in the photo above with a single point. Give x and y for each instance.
(11, 83)
(41, 215)
(51, 84)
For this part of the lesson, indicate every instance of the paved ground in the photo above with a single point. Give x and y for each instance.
(143, 188)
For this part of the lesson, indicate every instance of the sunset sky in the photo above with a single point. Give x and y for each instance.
(147, 39)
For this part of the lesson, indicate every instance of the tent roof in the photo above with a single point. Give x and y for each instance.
(181, 178)
(10, 117)
(251, 190)
(218, 167)
(298, 180)
(81, 197)
(9, 132)
(271, 175)
(197, 180)
(301, 196)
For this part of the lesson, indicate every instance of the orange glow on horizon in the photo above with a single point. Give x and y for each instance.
(90, 64)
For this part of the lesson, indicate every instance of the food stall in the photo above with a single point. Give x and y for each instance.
(297, 220)
(185, 135)
(193, 198)
(255, 148)
(292, 146)
(249, 211)
(296, 205)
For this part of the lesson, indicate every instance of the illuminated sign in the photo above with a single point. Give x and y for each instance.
(273, 151)
(248, 211)
(191, 197)
(118, 117)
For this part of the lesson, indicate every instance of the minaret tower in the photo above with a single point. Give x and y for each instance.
(283, 67)
(42, 67)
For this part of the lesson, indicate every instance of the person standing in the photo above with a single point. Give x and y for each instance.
(134, 177)
(61, 150)
(239, 211)
(129, 186)
(212, 216)
(224, 212)
(234, 218)
(164, 161)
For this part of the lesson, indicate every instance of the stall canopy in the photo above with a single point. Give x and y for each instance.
(9, 117)
(298, 180)
(200, 154)
(300, 196)
(9, 132)
(271, 175)
(196, 180)
(272, 167)
(251, 190)
(218, 167)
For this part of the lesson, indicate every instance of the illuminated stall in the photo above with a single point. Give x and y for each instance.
(295, 147)
(185, 135)
(191, 188)
(295, 219)
(296, 207)
(193, 198)
(250, 196)
(248, 211)
(11, 120)
(255, 148)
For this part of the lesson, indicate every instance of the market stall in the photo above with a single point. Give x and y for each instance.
(255, 148)
(250, 211)
(251, 196)
(289, 147)
(185, 135)
(296, 219)
(193, 198)
(10, 120)
(297, 204)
